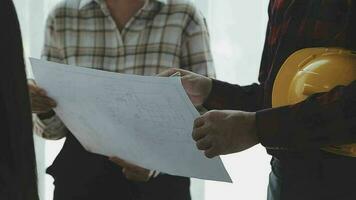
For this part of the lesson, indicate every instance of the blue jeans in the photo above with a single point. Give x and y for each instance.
(330, 178)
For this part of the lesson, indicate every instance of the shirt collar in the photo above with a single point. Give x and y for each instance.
(84, 3)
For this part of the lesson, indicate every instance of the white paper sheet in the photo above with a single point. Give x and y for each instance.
(145, 120)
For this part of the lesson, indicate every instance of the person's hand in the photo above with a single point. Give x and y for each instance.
(40, 102)
(132, 172)
(225, 132)
(197, 87)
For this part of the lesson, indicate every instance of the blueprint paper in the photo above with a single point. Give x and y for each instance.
(145, 120)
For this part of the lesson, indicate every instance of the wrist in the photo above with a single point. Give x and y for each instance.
(46, 115)
(209, 87)
(253, 130)
(209, 93)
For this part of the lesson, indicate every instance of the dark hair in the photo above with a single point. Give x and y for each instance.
(17, 158)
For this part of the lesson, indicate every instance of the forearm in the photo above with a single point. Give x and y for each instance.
(321, 120)
(225, 96)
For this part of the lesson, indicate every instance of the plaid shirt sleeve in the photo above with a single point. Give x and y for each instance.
(51, 128)
(196, 54)
(321, 120)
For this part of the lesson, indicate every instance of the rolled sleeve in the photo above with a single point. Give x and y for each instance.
(51, 129)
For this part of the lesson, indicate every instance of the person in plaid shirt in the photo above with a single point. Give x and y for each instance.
(125, 36)
(294, 134)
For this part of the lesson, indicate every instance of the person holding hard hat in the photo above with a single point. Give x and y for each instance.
(303, 110)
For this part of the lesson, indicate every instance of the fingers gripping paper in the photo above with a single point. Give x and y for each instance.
(145, 120)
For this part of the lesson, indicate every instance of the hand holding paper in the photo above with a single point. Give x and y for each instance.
(40, 102)
(132, 172)
(197, 87)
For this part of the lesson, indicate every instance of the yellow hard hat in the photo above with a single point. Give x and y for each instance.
(315, 70)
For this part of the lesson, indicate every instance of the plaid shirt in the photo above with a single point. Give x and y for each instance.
(322, 119)
(161, 35)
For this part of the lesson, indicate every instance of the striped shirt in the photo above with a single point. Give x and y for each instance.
(162, 34)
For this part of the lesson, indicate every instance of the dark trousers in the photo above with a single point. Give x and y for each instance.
(110, 187)
(326, 178)
(80, 175)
